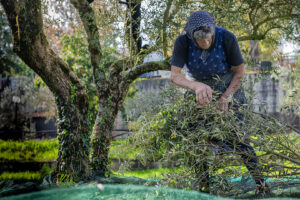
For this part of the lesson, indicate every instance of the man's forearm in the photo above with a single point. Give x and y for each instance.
(233, 87)
(235, 83)
(183, 82)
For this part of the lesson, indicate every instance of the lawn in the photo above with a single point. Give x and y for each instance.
(47, 151)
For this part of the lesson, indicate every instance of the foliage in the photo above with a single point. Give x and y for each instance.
(148, 102)
(184, 133)
(266, 21)
(111, 81)
(28, 150)
(291, 85)
(256, 19)
(75, 52)
(47, 150)
(7, 57)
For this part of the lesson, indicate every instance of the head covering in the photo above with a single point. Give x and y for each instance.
(198, 19)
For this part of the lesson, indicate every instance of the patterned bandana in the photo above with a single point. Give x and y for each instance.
(196, 20)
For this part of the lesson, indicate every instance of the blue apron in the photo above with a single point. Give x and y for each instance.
(213, 70)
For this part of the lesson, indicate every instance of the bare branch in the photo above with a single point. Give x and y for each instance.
(268, 19)
(251, 37)
(135, 72)
(270, 117)
(164, 30)
(88, 18)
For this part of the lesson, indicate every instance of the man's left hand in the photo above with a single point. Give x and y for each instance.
(223, 104)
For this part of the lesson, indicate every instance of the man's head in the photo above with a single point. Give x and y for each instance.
(204, 36)
(201, 28)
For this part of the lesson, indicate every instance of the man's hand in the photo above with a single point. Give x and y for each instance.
(203, 93)
(223, 104)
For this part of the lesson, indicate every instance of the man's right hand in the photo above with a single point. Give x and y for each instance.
(204, 93)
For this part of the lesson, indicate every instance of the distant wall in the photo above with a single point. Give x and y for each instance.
(267, 93)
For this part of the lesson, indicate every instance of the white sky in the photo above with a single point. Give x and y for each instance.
(290, 47)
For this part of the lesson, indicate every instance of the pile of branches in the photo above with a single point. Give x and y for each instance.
(184, 134)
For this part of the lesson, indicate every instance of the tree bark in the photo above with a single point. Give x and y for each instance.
(254, 52)
(133, 25)
(119, 84)
(31, 45)
(164, 28)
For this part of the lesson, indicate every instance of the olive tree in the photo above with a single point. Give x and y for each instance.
(112, 82)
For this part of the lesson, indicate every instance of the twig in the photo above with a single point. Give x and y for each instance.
(278, 154)
(285, 124)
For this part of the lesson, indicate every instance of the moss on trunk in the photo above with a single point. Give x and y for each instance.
(73, 127)
(31, 45)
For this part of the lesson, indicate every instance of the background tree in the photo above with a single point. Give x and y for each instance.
(112, 83)
(30, 44)
(257, 20)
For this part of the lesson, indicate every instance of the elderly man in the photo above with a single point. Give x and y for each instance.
(208, 52)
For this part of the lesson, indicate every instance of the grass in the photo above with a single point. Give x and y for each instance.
(149, 173)
(116, 150)
(47, 150)
(29, 150)
(27, 175)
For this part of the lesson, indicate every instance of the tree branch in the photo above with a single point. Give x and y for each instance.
(270, 117)
(135, 72)
(276, 153)
(251, 37)
(164, 27)
(88, 18)
(268, 19)
(271, 28)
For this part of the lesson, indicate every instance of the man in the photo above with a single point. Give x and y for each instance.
(208, 52)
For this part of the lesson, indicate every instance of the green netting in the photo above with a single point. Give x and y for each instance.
(134, 188)
(116, 191)
(92, 192)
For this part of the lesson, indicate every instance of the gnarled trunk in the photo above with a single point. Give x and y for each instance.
(31, 45)
(110, 101)
(74, 142)
(254, 51)
(102, 136)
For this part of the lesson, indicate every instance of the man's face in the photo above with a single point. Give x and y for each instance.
(205, 43)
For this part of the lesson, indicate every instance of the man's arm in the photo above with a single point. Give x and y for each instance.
(203, 91)
(239, 74)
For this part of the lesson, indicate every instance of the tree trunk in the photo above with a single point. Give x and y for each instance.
(164, 28)
(110, 101)
(102, 136)
(74, 141)
(254, 52)
(31, 45)
(133, 25)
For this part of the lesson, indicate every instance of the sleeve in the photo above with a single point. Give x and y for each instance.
(180, 51)
(232, 49)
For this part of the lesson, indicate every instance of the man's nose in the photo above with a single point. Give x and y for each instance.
(206, 42)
